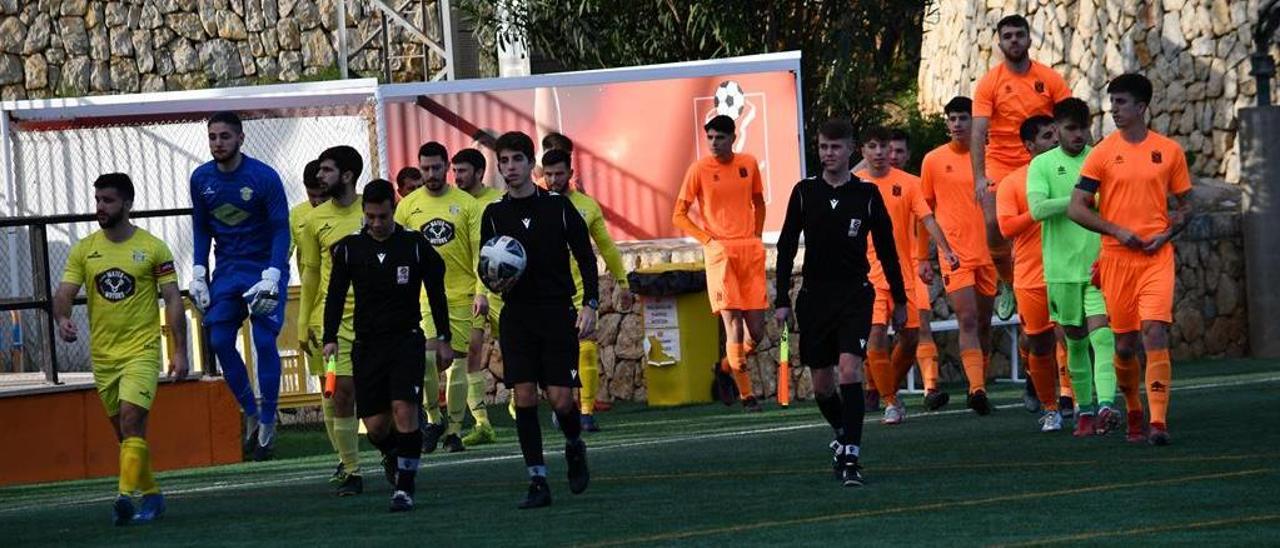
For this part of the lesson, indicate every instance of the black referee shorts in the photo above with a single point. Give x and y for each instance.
(388, 368)
(832, 321)
(539, 344)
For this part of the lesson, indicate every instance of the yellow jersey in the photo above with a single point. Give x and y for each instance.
(297, 219)
(486, 196)
(451, 222)
(326, 224)
(123, 281)
(594, 217)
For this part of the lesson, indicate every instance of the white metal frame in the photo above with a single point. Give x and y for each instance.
(942, 326)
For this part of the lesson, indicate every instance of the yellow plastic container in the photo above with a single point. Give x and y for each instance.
(679, 372)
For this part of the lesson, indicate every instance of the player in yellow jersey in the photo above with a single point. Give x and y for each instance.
(468, 174)
(125, 267)
(408, 179)
(556, 167)
(331, 221)
(447, 216)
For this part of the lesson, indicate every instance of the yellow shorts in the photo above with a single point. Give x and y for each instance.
(342, 363)
(133, 380)
(490, 320)
(315, 361)
(460, 322)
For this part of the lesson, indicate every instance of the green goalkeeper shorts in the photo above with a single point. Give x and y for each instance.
(1071, 303)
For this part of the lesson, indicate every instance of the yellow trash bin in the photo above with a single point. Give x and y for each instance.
(682, 336)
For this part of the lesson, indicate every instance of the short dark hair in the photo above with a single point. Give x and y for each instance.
(226, 117)
(118, 181)
(1014, 20)
(1071, 109)
(721, 123)
(836, 128)
(345, 158)
(1031, 126)
(556, 156)
(378, 191)
(309, 173)
(959, 103)
(874, 133)
(433, 149)
(515, 141)
(557, 140)
(1132, 83)
(470, 156)
(899, 134)
(406, 173)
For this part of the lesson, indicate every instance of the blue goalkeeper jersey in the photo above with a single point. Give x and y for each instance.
(245, 212)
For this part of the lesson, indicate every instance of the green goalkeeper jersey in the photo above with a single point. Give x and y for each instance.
(1069, 249)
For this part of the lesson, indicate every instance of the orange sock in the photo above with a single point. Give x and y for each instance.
(927, 357)
(882, 375)
(974, 369)
(738, 365)
(1129, 378)
(900, 364)
(1042, 375)
(1159, 377)
(1064, 376)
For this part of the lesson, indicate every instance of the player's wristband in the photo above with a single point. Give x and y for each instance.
(593, 304)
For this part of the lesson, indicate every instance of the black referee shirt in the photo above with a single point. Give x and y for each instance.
(835, 222)
(387, 276)
(549, 227)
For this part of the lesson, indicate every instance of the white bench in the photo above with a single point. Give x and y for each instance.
(942, 326)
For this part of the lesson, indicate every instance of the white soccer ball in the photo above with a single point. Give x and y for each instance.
(730, 99)
(502, 261)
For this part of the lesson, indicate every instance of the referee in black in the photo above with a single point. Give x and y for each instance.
(387, 266)
(833, 310)
(539, 328)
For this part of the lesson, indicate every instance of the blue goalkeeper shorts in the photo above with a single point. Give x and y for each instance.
(227, 304)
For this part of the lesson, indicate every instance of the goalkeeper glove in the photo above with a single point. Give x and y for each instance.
(199, 289)
(264, 296)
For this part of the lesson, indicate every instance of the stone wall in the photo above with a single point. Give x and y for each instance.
(1196, 52)
(52, 48)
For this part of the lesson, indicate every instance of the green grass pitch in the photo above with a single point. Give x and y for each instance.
(711, 475)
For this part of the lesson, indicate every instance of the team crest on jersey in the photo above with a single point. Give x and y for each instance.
(949, 170)
(455, 209)
(246, 193)
(139, 256)
(1039, 86)
(1008, 88)
(402, 275)
(897, 190)
(438, 231)
(742, 172)
(1062, 170)
(854, 226)
(1119, 159)
(1156, 157)
(114, 285)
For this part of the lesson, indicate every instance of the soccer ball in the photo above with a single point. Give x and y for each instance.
(502, 261)
(730, 99)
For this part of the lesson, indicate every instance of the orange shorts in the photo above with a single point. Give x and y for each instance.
(735, 274)
(922, 300)
(982, 278)
(883, 307)
(1033, 309)
(997, 171)
(1137, 287)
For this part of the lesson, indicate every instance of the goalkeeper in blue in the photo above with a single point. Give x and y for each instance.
(239, 209)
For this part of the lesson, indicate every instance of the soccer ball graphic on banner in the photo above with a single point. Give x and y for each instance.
(502, 261)
(730, 99)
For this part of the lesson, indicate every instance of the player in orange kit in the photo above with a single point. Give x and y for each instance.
(730, 195)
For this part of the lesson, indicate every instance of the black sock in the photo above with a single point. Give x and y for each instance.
(530, 434)
(388, 444)
(855, 408)
(571, 423)
(832, 410)
(408, 454)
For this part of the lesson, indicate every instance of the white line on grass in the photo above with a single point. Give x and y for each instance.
(308, 476)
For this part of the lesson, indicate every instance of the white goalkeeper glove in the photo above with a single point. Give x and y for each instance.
(264, 296)
(199, 289)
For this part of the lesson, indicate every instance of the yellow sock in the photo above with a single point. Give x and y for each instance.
(135, 467)
(456, 394)
(475, 397)
(346, 434)
(431, 390)
(589, 374)
(327, 409)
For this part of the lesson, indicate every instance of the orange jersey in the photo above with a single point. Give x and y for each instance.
(1133, 183)
(1016, 222)
(1007, 99)
(947, 181)
(905, 203)
(723, 192)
